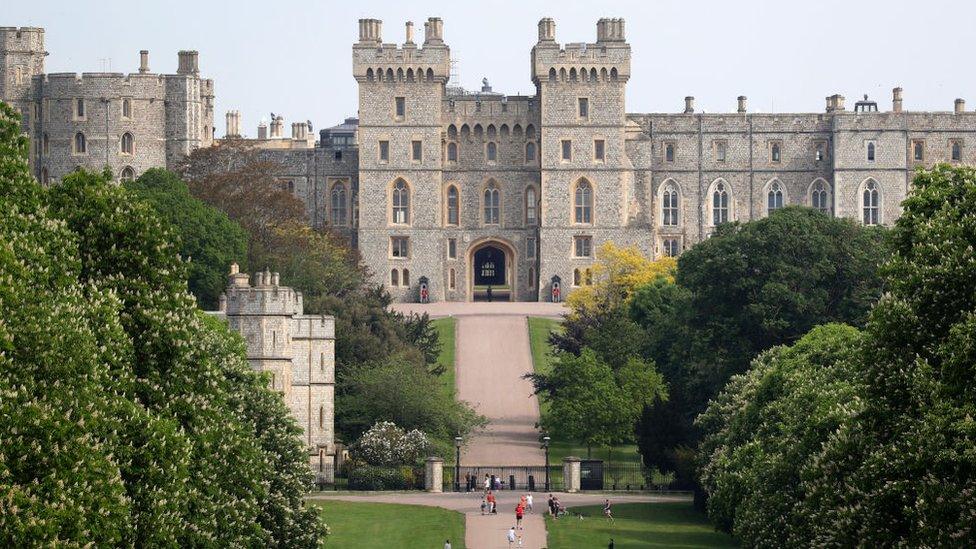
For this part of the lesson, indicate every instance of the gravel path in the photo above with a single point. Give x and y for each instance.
(492, 356)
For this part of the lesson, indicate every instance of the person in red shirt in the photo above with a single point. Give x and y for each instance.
(491, 503)
(519, 513)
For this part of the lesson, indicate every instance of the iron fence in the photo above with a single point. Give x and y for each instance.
(531, 478)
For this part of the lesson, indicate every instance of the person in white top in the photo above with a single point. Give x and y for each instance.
(528, 502)
(511, 536)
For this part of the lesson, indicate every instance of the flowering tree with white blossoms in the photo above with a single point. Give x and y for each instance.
(385, 444)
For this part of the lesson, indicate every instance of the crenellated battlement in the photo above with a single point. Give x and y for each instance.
(22, 39)
(376, 61)
(606, 60)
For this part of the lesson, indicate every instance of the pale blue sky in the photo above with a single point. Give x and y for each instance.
(294, 57)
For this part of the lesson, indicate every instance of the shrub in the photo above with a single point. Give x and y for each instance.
(385, 444)
(370, 477)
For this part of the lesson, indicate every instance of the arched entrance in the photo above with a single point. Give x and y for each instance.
(491, 273)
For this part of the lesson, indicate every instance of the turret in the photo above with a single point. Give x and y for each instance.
(21, 58)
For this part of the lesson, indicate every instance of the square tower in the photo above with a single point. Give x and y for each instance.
(401, 88)
(587, 178)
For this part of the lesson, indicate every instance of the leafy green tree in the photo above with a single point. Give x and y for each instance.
(399, 390)
(903, 472)
(207, 239)
(126, 417)
(591, 403)
(764, 433)
(179, 364)
(748, 288)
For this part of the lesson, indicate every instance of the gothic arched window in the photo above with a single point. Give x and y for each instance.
(453, 206)
(491, 151)
(492, 204)
(583, 202)
(720, 204)
(669, 206)
(128, 174)
(819, 198)
(530, 151)
(871, 203)
(81, 144)
(339, 204)
(452, 152)
(774, 197)
(394, 277)
(401, 202)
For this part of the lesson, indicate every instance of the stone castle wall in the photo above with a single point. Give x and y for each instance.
(171, 114)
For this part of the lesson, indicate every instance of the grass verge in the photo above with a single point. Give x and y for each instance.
(382, 525)
(445, 334)
(636, 525)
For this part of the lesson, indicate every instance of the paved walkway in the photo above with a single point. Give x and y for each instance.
(492, 356)
(488, 531)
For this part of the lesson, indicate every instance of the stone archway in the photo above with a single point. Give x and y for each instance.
(491, 264)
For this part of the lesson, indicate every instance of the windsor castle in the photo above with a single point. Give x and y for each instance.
(459, 191)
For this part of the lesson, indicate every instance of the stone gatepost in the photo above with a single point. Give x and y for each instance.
(571, 474)
(434, 475)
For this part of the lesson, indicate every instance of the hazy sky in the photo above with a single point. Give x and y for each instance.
(294, 58)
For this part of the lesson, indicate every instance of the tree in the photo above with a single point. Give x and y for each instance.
(748, 288)
(902, 471)
(208, 240)
(617, 273)
(592, 404)
(400, 390)
(126, 418)
(765, 431)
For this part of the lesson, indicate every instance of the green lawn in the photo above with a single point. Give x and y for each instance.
(539, 330)
(636, 525)
(383, 525)
(445, 333)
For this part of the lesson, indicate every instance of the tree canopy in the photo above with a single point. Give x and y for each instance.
(127, 417)
(208, 240)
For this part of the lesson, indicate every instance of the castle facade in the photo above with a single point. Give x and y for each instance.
(470, 190)
(127, 122)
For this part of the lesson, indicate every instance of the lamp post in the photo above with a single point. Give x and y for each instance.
(545, 446)
(457, 463)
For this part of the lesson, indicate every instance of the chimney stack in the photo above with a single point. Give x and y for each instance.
(960, 106)
(742, 103)
(262, 131)
(835, 103)
(276, 126)
(370, 30)
(233, 124)
(143, 61)
(689, 104)
(610, 30)
(896, 100)
(188, 63)
(434, 31)
(409, 32)
(547, 30)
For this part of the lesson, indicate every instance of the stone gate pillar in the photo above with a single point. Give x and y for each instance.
(571, 474)
(434, 475)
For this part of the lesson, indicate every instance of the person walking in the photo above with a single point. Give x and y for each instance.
(447, 544)
(519, 513)
(491, 503)
(611, 544)
(607, 512)
(511, 536)
(528, 502)
(487, 485)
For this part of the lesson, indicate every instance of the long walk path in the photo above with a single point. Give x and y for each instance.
(492, 354)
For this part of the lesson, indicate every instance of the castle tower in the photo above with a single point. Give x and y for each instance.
(401, 89)
(21, 58)
(189, 109)
(297, 350)
(587, 179)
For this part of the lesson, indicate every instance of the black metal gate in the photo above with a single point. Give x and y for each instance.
(591, 474)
